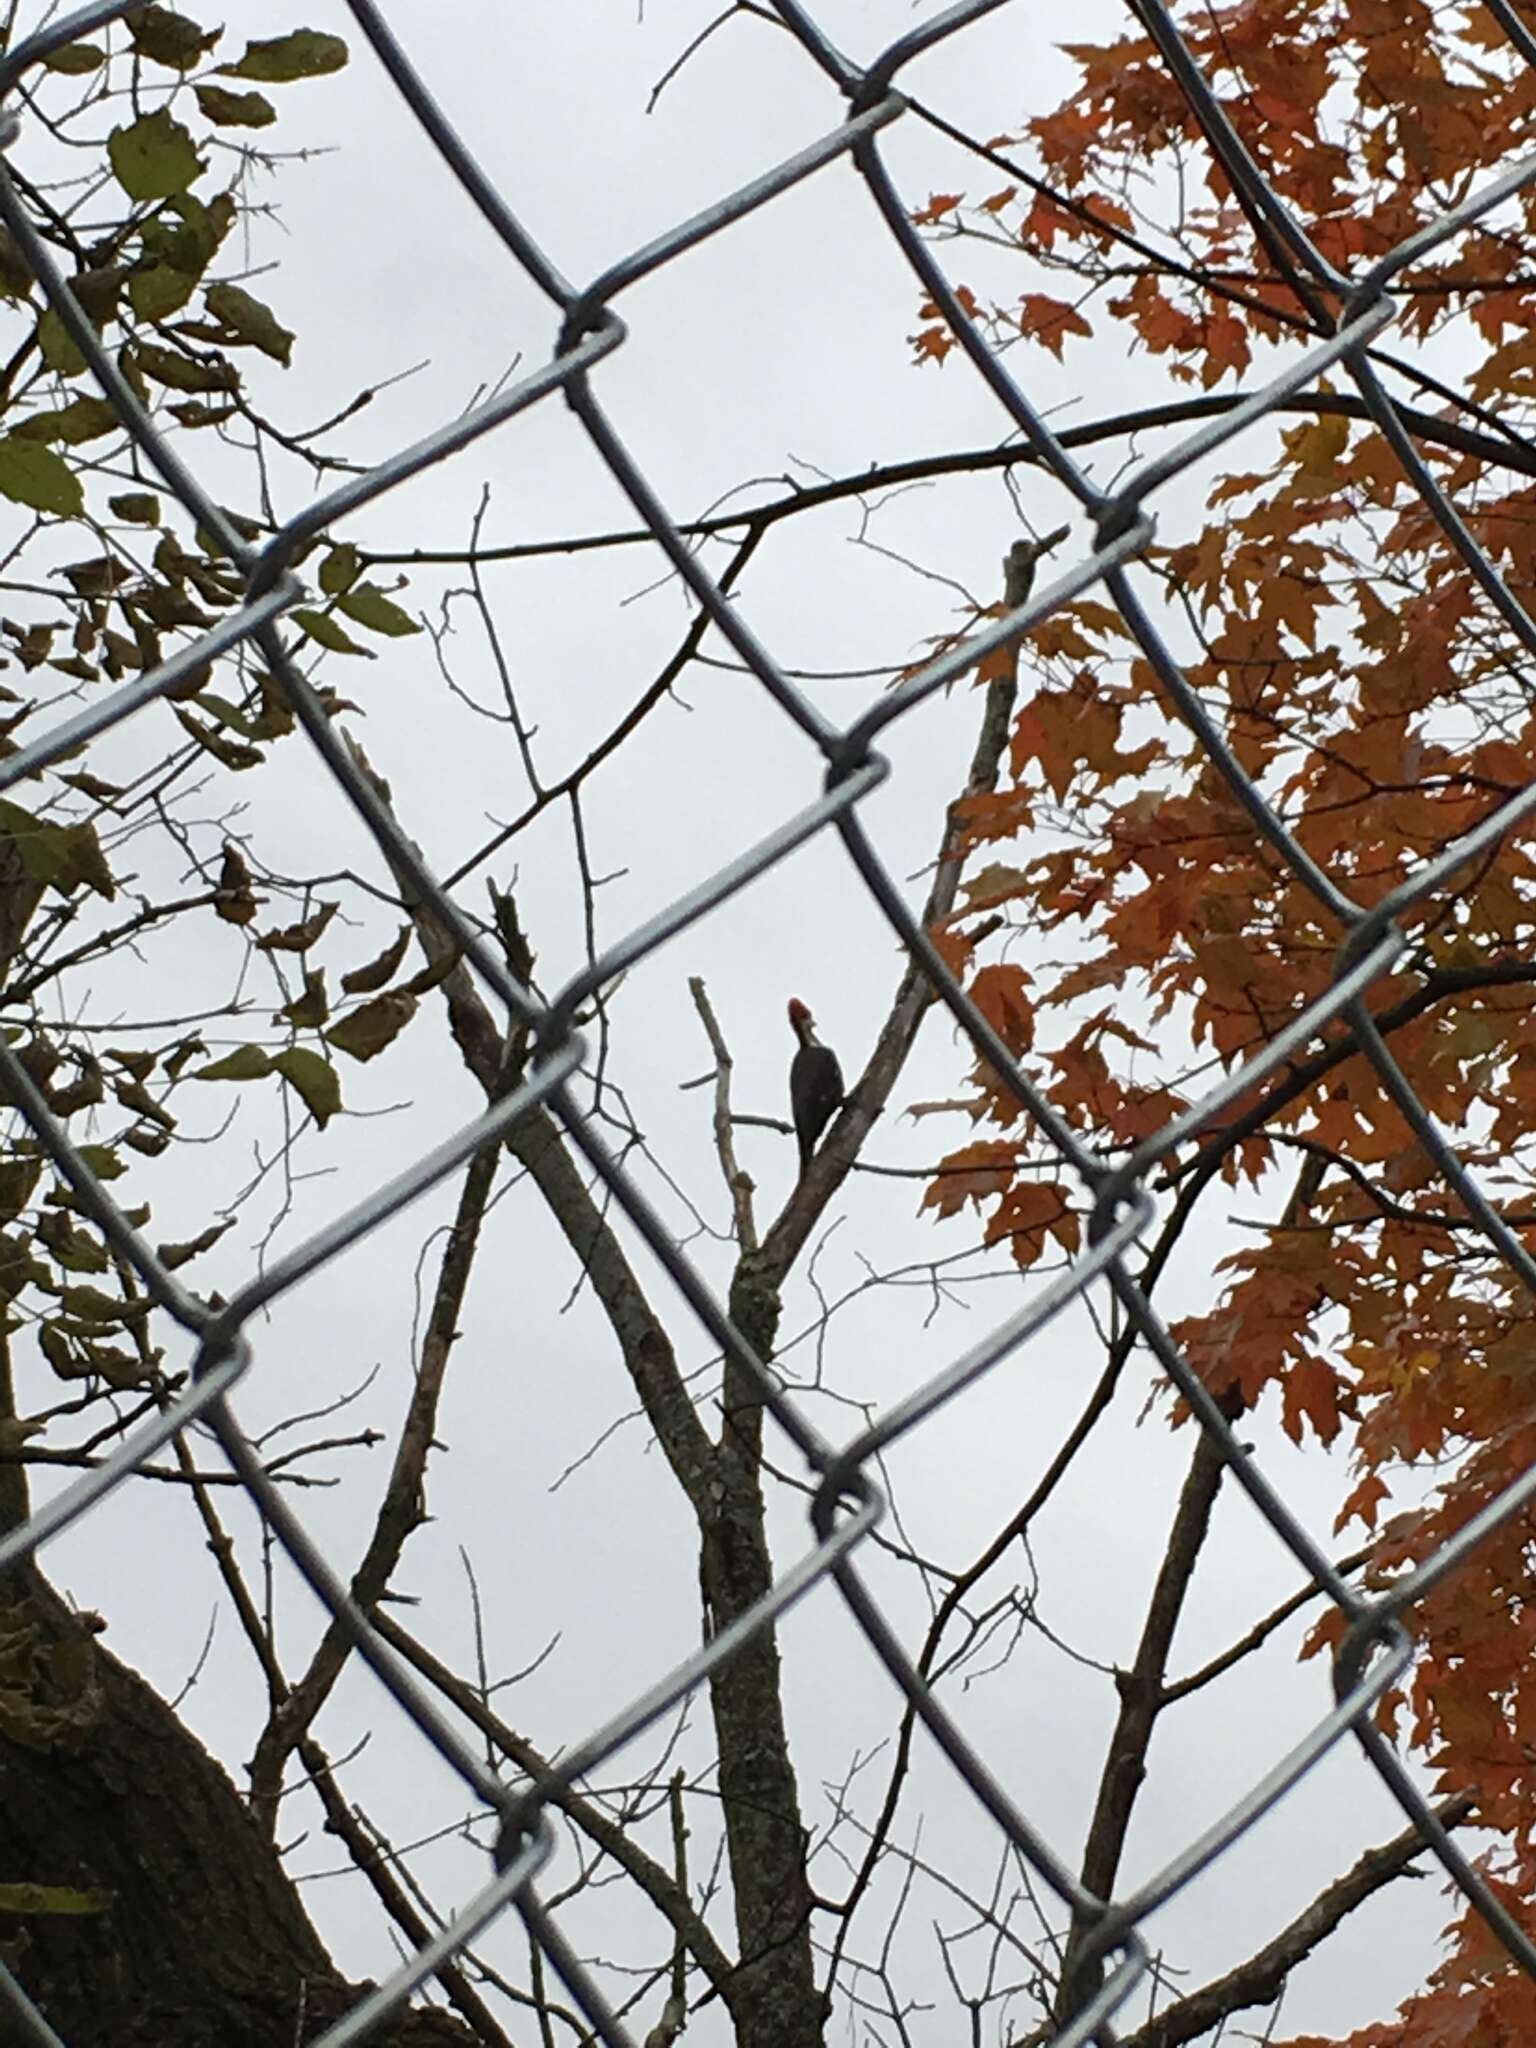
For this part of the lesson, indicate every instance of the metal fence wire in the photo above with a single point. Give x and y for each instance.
(847, 1504)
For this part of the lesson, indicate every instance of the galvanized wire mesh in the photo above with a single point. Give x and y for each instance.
(847, 1503)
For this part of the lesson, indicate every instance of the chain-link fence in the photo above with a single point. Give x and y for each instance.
(847, 1504)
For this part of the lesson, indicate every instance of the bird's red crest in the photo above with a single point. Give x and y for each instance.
(798, 1011)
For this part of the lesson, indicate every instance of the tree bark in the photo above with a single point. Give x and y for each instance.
(193, 1934)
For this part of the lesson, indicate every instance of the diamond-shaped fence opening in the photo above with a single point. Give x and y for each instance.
(538, 1044)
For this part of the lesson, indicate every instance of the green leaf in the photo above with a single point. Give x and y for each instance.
(52, 1899)
(366, 603)
(39, 847)
(55, 1348)
(20, 1268)
(184, 373)
(314, 1079)
(133, 376)
(166, 605)
(230, 716)
(159, 291)
(102, 1161)
(154, 158)
(16, 279)
(176, 1059)
(372, 1026)
(92, 1305)
(323, 629)
(339, 570)
(184, 234)
(35, 645)
(133, 1095)
(276, 717)
(74, 1249)
(235, 109)
(99, 289)
(192, 414)
(95, 787)
(248, 320)
(31, 474)
(213, 741)
(83, 419)
(75, 59)
(304, 54)
(99, 577)
(62, 856)
(57, 345)
(86, 864)
(167, 38)
(18, 1177)
(362, 981)
(140, 508)
(140, 1064)
(85, 1360)
(245, 1063)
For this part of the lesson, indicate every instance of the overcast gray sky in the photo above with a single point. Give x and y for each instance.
(778, 350)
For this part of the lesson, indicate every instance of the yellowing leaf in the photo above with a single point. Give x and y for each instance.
(309, 1010)
(280, 59)
(235, 109)
(298, 938)
(366, 603)
(245, 1063)
(366, 1031)
(362, 981)
(325, 631)
(139, 508)
(314, 1080)
(174, 1255)
(185, 373)
(53, 1901)
(246, 319)
(231, 752)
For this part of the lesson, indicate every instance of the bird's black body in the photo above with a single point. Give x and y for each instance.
(815, 1083)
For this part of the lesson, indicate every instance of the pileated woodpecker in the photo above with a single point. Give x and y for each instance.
(1019, 566)
(815, 1082)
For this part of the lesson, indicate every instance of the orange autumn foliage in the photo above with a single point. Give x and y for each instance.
(1371, 691)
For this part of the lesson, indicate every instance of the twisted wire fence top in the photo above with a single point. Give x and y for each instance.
(1115, 525)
